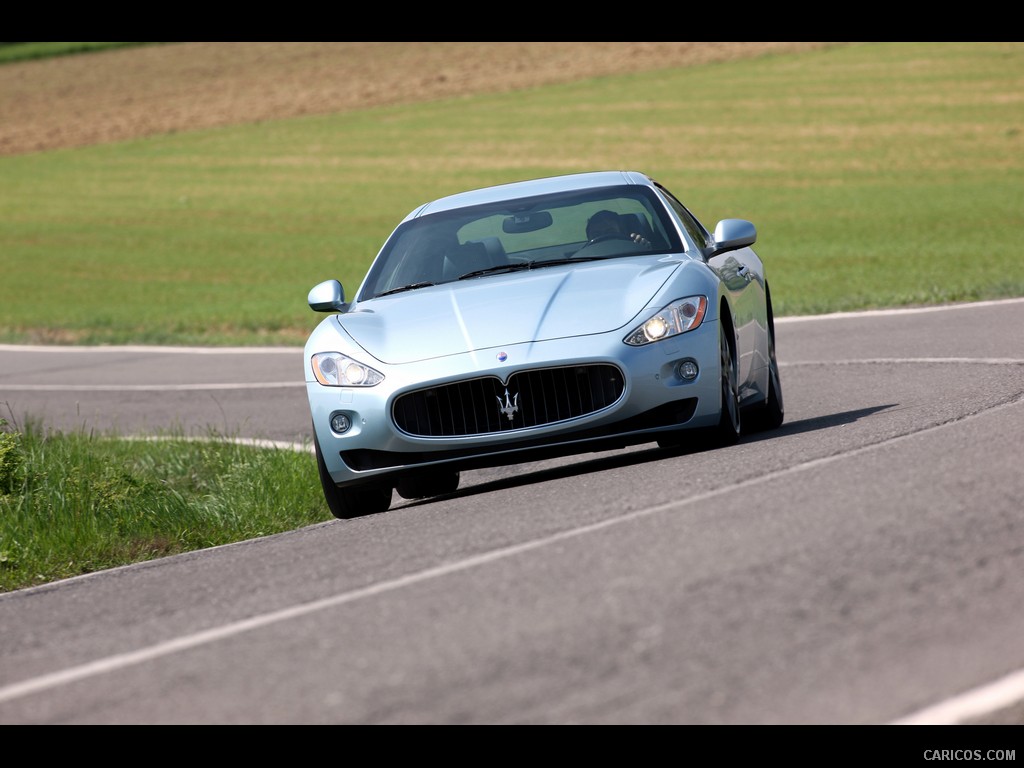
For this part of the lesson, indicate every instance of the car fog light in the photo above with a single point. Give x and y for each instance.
(341, 423)
(687, 370)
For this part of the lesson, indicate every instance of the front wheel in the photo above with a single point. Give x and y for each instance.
(347, 503)
(422, 486)
(728, 430)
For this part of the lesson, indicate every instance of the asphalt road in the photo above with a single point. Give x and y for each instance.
(861, 565)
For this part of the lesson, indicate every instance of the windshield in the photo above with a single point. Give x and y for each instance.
(529, 233)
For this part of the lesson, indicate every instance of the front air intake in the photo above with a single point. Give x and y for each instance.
(530, 399)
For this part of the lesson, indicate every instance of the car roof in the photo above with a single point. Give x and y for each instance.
(531, 188)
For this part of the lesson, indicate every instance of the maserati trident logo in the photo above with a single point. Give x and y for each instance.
(510, 407)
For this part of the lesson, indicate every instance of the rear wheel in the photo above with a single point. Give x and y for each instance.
(356, 501)
(773, 412)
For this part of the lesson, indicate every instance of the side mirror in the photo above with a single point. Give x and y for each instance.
(328, 296)
(733, 234)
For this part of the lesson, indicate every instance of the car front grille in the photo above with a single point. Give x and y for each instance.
(530, 399)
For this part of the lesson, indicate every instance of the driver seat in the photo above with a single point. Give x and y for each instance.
(465, 259)
(604, 223)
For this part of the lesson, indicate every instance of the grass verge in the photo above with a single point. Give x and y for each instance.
(72, 504)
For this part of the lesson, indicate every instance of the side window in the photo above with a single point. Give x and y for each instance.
(693, 227)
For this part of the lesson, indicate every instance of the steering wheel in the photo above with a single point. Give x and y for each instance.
(593, 247)
(602, 238)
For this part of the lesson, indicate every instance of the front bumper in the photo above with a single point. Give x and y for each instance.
(655, 399)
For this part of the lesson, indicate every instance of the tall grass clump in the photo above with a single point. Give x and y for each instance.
(11, 457)
(75, 503)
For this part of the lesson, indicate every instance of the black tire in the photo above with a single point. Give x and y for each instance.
(421, 486)
(727, 431)
(681, 438)
(348, 503)
(729, 424)
(773, 412)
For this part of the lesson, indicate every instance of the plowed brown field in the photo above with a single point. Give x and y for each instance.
(122, 94)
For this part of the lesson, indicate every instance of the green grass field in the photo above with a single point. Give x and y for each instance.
(27, 51)
(880, 174)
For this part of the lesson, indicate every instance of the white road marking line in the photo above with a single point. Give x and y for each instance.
(899, 311)
(910, 360)
(178, 645)
(277, 445)
(972, 704)
(146, 387)
(138, 348)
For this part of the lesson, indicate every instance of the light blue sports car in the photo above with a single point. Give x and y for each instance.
(541, 318)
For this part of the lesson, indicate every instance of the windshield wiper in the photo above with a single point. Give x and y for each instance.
(539, 263)
(559, 262)
(410, 287)
(496, 269)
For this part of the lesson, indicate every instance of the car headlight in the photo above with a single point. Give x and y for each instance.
(678, 317)
(333, 369)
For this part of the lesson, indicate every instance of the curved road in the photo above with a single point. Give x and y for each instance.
(860, 565)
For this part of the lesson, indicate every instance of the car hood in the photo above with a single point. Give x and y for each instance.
(503, 310)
